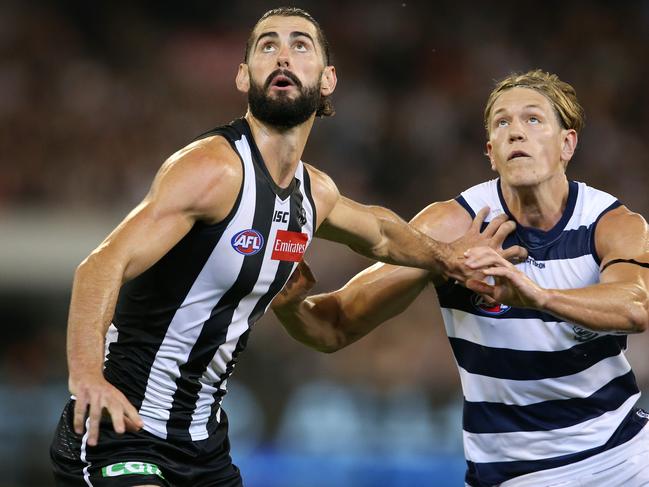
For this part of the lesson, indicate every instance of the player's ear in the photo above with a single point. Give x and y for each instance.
(489, 153)
(243, 78)
(328, 81)
(568, 145)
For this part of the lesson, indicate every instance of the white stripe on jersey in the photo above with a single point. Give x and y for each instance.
(590, 203)
(562, 273)
(535, 445)
(480, 388)
(223, 355)
(112, 334)
(188, 321)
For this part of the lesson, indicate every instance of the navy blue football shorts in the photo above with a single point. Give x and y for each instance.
(132, 459)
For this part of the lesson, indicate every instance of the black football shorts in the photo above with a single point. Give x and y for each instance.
(140, 458)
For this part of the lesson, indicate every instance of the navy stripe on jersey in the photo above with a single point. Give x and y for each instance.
(504, 363)
(155, 295)
(460, 199)
(490, 474)
(454, 296)
(493, 417)
(214, 332)
(554, 244)
(533, 236)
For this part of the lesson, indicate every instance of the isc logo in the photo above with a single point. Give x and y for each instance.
(247, 242)
(280, 216)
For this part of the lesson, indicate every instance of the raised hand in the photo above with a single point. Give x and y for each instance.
(94, 395)
(492, 237)
(511, 286)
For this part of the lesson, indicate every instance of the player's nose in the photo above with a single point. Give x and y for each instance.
(283, 58)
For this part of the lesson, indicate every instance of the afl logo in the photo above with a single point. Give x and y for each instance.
(489, 309)
(247, 242)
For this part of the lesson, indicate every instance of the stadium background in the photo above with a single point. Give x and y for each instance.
(95, 95)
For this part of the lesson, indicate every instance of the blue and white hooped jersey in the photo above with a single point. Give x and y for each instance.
(539, 392)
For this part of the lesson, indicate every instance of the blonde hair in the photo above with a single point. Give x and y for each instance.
(561, 95)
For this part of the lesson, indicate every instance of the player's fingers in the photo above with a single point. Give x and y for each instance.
(131, 415)
(515, 254)
(480, 287)
(480, 257)
(80, 409)
(117, 417)
(502, 232)
(495, 225)
(476, 224)
(497, 271)
(131, 426)
(94, 416)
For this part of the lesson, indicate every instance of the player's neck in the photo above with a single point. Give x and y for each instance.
(540, 206)
(281, 149)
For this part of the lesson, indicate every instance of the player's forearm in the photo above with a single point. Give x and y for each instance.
(94, 294)
(402, 244)
(315, 322)
(331, 321)
(621, 307)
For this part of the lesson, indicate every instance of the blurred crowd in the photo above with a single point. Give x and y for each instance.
(95, 95)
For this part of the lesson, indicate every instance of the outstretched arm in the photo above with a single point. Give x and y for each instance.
(328, 322)
(380, 234)
(618, 303)
(200, 182)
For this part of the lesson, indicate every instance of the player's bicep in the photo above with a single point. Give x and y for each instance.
(622, 244)
(196, 184)
(143, 237)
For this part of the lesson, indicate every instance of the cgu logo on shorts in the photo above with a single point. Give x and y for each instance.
(247, 242)
(131, 468)
(491, 309)
(289, 246)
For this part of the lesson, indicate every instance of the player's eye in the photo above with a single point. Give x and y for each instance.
(534, 120)
(501, 123)
(301, 47)
(268, 47)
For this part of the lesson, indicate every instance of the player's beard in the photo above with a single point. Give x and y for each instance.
(281, 111)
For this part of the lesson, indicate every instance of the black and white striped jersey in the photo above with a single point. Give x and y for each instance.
(180, 326)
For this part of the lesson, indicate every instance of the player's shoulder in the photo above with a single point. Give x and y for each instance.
(621, 232)
(622, 220)
(210, 160)
(323, 186)
(447, 218)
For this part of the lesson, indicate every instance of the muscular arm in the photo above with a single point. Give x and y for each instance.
(328, 322)
(380, 234)
(618, 303)
(199, 182)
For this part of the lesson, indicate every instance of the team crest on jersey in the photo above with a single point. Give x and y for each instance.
(248, 242)
(481, 305)
(583, 335)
